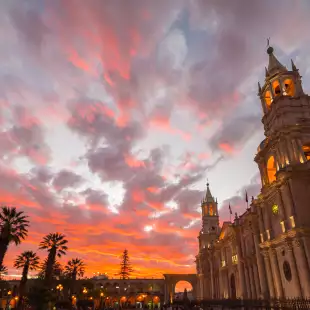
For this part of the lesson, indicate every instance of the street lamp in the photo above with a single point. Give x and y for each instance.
(9, 299)
(73, 299)
(59, 288)
(85, 291)
(16, 299)
(101, 299)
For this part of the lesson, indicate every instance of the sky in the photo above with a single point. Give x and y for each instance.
(114, 114)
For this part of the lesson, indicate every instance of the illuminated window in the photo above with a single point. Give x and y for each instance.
(268, 98)
(223, 263)
(210, 210)
(282, 226)
(276, 88)
(306, 149)
(275, 209)
(234, 259)
(271, 169)
(289, 87)
(292, 221)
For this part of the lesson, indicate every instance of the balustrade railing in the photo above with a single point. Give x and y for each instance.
(244, 304)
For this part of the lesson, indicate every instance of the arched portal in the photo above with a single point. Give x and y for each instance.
(182, 290)
(172, 279)
(233, 294)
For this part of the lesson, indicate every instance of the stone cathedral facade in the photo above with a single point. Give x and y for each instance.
(265, 253)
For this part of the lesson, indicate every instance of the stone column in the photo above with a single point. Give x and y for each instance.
(294, 270)
(241, 271)
(302, 154)
(257, 283)
(248, 283)
(200, 286)
(261, 268)
(252, 284)
(276, 273)
(269, 274)
(304, 266)
(221, 283)
(212, 279)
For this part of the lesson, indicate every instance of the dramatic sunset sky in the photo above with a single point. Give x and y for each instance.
(114, 113)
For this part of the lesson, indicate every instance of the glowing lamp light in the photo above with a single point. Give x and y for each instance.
(101, 294)
(16, 297)
(10, 292)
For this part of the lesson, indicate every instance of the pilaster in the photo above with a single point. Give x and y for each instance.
(241, 271)
(276, 273)
(261, 268)
(295, 274)
(304, 276)
(269, 274)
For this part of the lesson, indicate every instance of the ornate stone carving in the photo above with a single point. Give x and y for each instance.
(273, 251)
(289, 245)
(297, 243)
(265, 253)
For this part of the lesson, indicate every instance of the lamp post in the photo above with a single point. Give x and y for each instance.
(101, 299)
(59, 288)
(85, 291)
(16, 299)
(73, 299)
(8, 299)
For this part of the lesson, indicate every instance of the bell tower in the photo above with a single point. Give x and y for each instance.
(283, 156)
(210, 220)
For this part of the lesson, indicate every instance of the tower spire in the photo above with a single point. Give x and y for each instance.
(274, 65)
(208, 197)
(259, 90)
(293, 66)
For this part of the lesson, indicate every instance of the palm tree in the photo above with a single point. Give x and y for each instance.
(28, 260)
(74, 268)
(57, 269)
(55, 244)
(3, 271)
(13, 228)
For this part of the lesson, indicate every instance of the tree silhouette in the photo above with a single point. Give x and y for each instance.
(56, 245)
(13, 228)
(57, 270)
(125, 266)
(28, 260)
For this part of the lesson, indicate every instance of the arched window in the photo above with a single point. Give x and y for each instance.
(276, 88)
(271, 169)
(210, 210)
(289, 87)
(268, 99)
(306, 149)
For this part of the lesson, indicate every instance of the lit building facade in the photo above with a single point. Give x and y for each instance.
(265, 253)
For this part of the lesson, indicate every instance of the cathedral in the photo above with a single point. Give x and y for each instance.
(265, 252)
